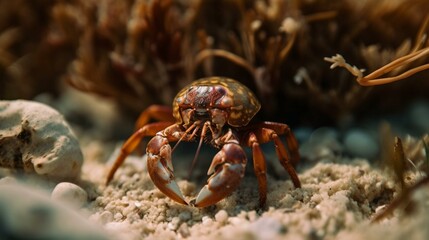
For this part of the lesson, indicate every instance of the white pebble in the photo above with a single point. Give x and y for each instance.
(184, 230)
(419, 115)
(70, 194)
(128, 210)
(221, 216)
(323, 143)
(28, 213)
(118, 216)
(207, 221)
(360, 144)
(105, 217)
(138, 204)
(252, 216)
(236, 221)
(174, 224)
(8, 180)
(266, 228)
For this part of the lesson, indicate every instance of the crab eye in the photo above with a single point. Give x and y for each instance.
(221, 90)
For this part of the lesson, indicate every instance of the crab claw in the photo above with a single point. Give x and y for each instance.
(226, 170)
(160, 168)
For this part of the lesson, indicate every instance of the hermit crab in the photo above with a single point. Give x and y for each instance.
(219, 111)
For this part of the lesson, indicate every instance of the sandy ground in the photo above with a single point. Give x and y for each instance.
(338, 198)
(329, 200)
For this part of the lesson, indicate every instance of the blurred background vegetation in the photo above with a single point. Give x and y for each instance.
(141, 52)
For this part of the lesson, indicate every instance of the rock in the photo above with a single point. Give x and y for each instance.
(419, 115)
(322, 144)
(185, 216)
(28, 214)
(70, 194)
(173, 225)
(221, 216)
(36, 138)
(360, 144)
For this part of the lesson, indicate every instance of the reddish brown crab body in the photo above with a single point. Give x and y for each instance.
(217, 94)
(218, 110)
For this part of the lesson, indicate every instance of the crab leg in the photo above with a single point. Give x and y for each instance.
(226, 170)
(154, 112)
(280, 129)
(260, 168)
(131, 144)
(157, 112)
(266, 135)
(284, 160)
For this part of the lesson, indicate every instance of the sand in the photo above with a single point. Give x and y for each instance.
(338, 198)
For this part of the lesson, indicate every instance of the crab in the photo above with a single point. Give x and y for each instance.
(219, 111)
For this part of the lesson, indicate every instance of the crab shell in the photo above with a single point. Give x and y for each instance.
(218, 92)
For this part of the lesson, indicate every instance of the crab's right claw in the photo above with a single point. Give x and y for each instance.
(226, 170)
(160, 168)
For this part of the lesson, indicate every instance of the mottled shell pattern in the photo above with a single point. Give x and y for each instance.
(228, 94)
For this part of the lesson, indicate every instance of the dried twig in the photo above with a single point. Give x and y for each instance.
(399, 165)
(373, 78)
(400, 200)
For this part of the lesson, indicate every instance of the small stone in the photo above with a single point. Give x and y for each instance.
(252, 215)
(105, 217)
(419, 113)
(322, 143)
(184, 230)
(174, 224)
(185, 216)
(27, 213)
(137, 204)
(302, 134)
(128, 210)
(266, 228)
(207, 221)
(8, 180)
(360, 144)
(70, 193)
(221, 216)
(118, 216)
(235, 221)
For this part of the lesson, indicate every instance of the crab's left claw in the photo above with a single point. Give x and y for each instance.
(226, 170)
(160, 168)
